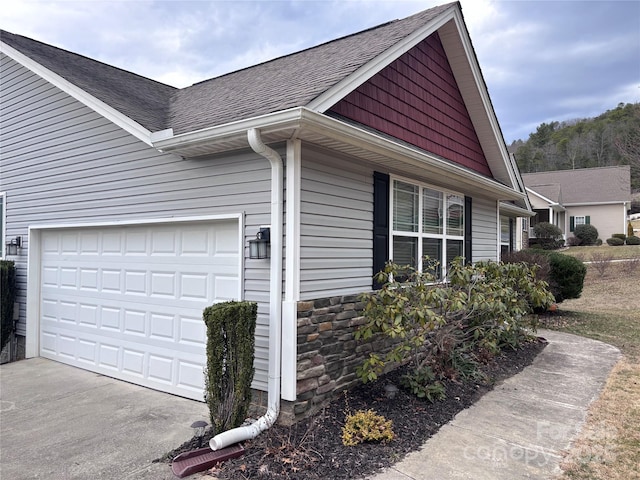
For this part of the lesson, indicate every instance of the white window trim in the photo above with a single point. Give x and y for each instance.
(443, 236)
(575, 220)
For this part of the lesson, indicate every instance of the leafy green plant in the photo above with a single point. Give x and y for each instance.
(615, 242)
(230, 353)
(633, 240)
(423, 384)
(621, 236)
(587, 234)
(425, 320)
(8, 292)
(366, 426)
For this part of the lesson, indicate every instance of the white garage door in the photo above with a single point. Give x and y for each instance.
(127, 301)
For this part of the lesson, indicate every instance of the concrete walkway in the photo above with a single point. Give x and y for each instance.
(521, 428)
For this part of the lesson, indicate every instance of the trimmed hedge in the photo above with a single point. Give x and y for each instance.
(615, 241)
(231, 328)
(633, 240)
(8, 293)
(621, 236)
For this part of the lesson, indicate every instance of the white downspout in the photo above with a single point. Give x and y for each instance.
(240, 434)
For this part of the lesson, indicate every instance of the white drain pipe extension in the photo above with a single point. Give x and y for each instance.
(240, 434)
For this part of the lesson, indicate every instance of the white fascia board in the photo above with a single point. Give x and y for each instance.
(542, 197)
(482, 90)
(515, 210)
(356, 136)
(330, 97)
(265, 123)
(304, 118)
(592, 204)
(98, 106)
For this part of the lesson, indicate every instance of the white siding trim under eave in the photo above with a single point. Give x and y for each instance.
(336, 226)
(110, 113)
(485, 229)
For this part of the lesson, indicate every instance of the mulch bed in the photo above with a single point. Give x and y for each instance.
(312, 449)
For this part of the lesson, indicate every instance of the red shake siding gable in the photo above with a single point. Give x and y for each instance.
(416, 99)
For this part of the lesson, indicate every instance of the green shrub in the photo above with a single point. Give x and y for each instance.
(598, 242)
(548, 236)
(230, 353)
(563, 274)
(615, 241)
(8, 293)
(423, 384)
(567, 276)
(588, 234)
(621, 236)
(633, 240)
(433, 323)
(366, 426)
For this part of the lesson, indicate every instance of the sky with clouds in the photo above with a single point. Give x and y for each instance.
(542, 60)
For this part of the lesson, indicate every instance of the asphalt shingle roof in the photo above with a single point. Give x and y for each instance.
(585, 185)
(141, 99)
(289, 81)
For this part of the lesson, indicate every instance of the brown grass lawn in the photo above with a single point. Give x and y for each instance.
(586, 253)
(608, 310)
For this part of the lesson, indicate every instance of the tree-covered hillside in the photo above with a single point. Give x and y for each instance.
(612, 138)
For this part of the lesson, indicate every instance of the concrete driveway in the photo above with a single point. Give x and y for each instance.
(60, 422)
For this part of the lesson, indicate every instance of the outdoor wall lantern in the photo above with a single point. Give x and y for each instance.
(199, 428)
(261, 246)
(14, 245)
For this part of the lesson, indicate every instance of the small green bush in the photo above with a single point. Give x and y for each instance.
(633, 240)
(230, 353)
(567, 276)
(615, 241)
(423, 384)
(588, 234)
(8, 292)
(366, 426)
(548, 236)
(598, 242)
(621, 236)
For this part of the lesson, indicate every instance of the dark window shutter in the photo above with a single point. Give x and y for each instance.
(468, 218)
(380, 222)
(587, 220)
(572, 224)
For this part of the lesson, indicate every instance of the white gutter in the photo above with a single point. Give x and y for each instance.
(240, 434)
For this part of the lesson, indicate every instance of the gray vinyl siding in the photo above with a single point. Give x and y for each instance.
(62, 163)
(336, 231)
(484, 229)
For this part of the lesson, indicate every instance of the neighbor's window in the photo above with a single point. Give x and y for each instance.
(428, 222)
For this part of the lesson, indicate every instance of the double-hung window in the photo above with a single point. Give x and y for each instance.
(425, 222)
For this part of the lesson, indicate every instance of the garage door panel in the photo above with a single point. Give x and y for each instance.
(127, 301)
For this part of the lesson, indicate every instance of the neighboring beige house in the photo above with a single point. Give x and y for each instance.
(567, 198)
